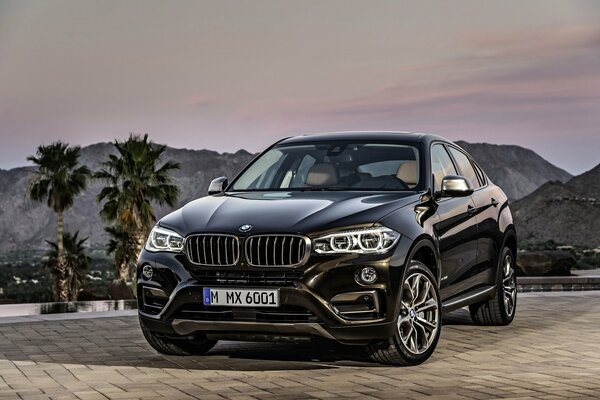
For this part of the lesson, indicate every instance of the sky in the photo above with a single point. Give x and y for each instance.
(226, 75)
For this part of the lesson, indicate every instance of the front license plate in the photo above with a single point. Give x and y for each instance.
(241, 297)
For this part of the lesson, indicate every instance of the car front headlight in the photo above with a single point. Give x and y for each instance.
(162, 239)
(362, 241)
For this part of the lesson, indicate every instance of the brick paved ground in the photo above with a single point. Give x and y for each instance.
(551, 351)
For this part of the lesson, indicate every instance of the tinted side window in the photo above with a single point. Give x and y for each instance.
(465, 167)
(441, 165)
(480, 174)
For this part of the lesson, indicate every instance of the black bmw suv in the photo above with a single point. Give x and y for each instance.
(365, 238)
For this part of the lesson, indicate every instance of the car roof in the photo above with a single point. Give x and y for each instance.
(400, 137)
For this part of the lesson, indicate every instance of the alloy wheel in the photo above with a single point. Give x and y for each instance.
(509, 284)
(419, 318)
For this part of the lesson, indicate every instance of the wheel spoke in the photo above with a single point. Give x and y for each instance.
(407, 295)
(423, 296)
(411, 343)
(508, 304)
(509, 284)
(415, 288)
(415, 340)
(424, 323)
(427, 307)
(423, 333)
(509, 297)
(409, 333)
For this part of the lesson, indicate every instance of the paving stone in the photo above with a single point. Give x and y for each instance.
(551, 351)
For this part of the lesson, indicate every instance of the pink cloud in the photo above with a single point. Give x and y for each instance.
(195, 100)
(541, 42)
(561, 80)
(538, 89)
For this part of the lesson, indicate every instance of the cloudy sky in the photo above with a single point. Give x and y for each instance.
(226, 75)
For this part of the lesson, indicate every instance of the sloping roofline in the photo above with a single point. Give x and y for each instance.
(364, 135)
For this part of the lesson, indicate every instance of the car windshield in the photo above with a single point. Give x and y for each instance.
(333, 166)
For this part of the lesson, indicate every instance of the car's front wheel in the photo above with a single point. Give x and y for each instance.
(419, 321)
(500, 309)
(184, 346)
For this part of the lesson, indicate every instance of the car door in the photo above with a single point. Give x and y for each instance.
(486, 214)
(455, 229)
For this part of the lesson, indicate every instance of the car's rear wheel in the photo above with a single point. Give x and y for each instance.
(196, 344)
(500, 309)
(419, 321)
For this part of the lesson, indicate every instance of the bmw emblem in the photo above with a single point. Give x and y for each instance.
(245, 228)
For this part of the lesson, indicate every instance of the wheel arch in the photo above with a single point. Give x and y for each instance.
(425, 251)
(510, 240)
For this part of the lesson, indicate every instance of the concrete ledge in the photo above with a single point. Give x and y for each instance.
(15, 313)
(66, 316)
(557, 283)
(529, 280)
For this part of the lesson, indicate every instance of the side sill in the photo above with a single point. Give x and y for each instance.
(473, 296)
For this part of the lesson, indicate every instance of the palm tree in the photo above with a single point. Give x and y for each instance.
(76, 262)
(136, 178)
(122, 246)
(59, 178)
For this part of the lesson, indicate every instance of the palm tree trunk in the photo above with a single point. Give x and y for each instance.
(122, 270)
(72, 286)
(62, 289)
(139, 242)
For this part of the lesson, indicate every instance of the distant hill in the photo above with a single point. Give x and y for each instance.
(568, 213)
(517, 170)
(25, 225)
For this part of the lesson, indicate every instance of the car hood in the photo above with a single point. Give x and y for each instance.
(284, 212)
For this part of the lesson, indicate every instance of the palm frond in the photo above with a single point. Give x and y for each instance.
(59, 177)
(76, 261)
(136, 178)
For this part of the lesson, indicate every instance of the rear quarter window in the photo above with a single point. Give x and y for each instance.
(480, 174)
(465, 167)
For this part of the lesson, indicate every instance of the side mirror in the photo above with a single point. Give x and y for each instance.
(455, 186)
(217, 185)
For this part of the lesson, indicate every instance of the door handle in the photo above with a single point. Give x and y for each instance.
(495, 202)
(471, 210)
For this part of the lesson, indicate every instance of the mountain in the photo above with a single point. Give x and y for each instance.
(568, 213)
(517, 170)
(25, 224)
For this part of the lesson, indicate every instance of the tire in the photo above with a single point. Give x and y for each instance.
(500, 309)
(403, 349)
(185, 346)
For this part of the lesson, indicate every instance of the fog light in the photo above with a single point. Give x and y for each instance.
(368, 275)
(147, 271)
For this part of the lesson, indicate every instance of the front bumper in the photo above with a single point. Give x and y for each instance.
(319, 299)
